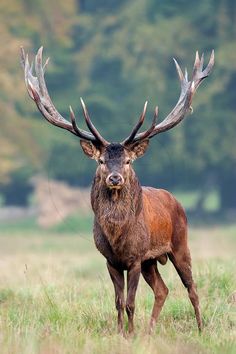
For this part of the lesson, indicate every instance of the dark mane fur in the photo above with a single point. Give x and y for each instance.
(116, 210)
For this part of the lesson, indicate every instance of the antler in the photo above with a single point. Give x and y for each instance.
(37, 90)
(137, 126)
(183, 106)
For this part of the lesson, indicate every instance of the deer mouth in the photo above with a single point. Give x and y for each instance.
(112, 186)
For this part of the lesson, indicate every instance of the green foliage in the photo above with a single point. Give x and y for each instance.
(189, 200)
(17, 190)
(116, 55)
(76, 171)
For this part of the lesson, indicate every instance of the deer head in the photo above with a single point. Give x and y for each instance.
(114, 159)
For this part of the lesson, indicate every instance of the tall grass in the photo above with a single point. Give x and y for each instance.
(56, 297)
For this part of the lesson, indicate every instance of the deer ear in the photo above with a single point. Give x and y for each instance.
(139, 148)
(90, 149)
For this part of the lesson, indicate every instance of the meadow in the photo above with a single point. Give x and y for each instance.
(56, 296)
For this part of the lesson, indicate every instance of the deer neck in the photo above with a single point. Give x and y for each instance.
(116, 209)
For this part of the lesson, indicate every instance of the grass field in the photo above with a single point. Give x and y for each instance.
(56, 297)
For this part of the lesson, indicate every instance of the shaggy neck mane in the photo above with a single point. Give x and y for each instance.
(116, 209)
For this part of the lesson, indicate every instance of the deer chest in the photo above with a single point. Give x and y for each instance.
(123, 246)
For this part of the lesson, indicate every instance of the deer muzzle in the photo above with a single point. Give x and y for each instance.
(115, 180)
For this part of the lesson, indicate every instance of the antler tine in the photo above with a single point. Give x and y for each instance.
(37, 90)
(183, 106)
(196, 65)
(30, 80)
(73, 122)
(39, 72)
(137, 126)
(202, 61)
(210, 65)
(72, 118)
(146, 134)
(45, 64)
(198, 73)
(22, 57)
(179, 71)
(183, 78)
(90, 125)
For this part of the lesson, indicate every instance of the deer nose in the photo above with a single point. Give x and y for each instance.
(115, 179)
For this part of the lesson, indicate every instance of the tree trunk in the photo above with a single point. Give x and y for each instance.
(227, 183)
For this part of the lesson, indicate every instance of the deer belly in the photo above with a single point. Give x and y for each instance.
(160, 231)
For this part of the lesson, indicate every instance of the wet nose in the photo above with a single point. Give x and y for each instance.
(115, 179)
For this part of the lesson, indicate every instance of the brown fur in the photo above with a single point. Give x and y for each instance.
(134, 227)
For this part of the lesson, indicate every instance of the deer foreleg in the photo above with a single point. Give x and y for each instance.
(132, 284)
(117, 277)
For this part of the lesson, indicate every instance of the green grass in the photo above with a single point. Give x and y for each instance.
(72, 224)
(56, 297)
(27, 225)
(75, 223)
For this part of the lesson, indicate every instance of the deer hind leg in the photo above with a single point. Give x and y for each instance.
(182, 263)
(154, 280)
(117, 278)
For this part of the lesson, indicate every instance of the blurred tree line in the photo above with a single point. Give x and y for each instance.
(117, 54)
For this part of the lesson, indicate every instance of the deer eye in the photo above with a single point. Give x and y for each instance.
(128, 162)
(101, 161)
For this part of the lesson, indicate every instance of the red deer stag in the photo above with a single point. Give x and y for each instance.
(134, 226)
